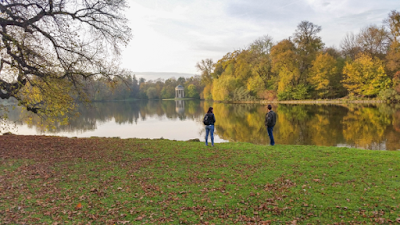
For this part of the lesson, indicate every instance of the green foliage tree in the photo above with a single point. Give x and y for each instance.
(191, 92)
(151, 93)
(167, 92)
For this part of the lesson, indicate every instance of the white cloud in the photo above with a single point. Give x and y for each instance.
(171, 36)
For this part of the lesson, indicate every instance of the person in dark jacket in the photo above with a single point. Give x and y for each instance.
(210, 127)
(270, 121)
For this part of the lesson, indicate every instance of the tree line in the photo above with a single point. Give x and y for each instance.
(367, 64)
(129, 87)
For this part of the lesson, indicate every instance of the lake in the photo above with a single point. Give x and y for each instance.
(375, 126)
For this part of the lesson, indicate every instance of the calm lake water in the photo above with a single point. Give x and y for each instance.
(362, 126)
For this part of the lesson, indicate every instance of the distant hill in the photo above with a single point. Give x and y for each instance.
(162, 75)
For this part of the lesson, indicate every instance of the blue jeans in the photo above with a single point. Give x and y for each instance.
(271, 136)
(210, 129)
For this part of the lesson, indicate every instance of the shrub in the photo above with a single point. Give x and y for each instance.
(389, 95)
(269, 95)
(301, 92)
(242, 94)
(298, 93)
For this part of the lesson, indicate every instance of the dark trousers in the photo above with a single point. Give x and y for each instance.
(271, 136)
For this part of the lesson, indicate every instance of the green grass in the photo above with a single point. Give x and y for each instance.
(163, 181)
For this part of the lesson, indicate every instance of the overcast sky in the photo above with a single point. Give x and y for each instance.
(172, 35)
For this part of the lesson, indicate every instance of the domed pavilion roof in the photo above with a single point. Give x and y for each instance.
(179, 87)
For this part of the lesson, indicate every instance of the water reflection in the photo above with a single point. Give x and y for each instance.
(369, 127)
(362, 126)
(180, 106)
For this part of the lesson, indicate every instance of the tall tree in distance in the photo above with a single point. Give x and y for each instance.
(374, 40)
(262, 65)
(308, 44)
(393, 23)
(206, 68)
(48, 47)
(393, 55)
(350, 47)
(285, 65)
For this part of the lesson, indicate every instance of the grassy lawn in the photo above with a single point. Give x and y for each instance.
(134, 181)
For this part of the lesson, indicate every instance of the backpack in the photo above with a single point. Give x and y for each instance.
(207, 119)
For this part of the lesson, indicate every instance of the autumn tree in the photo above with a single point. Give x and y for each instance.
(393, 23)
(223, 88)
(46, 48)
(374, 40)
(393, 58)
(262, 65)
(350, 46)
(285, 65)
(365, 76)
(322, 74)
(308, 44)
(206, 68)
(393, 55)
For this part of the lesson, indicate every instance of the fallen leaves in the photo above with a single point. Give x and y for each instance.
(78, 206)
(125, 181)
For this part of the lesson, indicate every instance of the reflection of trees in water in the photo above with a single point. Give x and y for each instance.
(357, 125)
(137, 111)
(310, 124)
(90, 116)
(365, 127)
(373, 126)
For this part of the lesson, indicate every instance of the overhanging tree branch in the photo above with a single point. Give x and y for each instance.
(42, 40)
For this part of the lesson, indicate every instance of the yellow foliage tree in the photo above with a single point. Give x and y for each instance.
(222, 88)
(255, 84)
(207, 92)
(49, 48)
(54, 95)
(284, 63)
(323, 69)
(365, 76)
